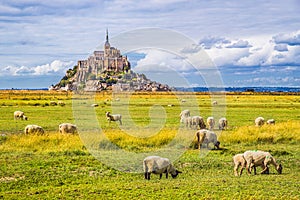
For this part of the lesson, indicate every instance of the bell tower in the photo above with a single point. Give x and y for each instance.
(106, 45)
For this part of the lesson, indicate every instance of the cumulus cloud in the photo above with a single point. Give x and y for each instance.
(281, 47)
(239, 44)
(292, 39)
(56, 67)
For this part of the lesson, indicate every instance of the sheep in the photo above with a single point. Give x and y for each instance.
(188, 122)
(259, 121)
(115, 117)
(61, 103)
(223, 123)
(210, 122)
(260, 158)
(53, 103)
(67, 128)
(200, 136)
(31, 129)
(239, 160)
(184, 114)
(94, 105)
(214, 103)
(20, 115)
(271, 122)
(211, 137)
(198, 121)
(159, 165)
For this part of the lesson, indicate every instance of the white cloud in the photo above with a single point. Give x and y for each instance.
(56, 67)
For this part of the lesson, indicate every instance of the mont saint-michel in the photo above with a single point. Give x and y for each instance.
(105, 70)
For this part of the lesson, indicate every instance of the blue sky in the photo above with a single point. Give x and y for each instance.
(251, 42)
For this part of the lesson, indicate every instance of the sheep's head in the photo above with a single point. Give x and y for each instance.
(175, 173)
(279, 169)
(217, 144)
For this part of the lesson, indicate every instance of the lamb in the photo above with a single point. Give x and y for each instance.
(239, 160)
(259, 121)
(61, 103)
(34, 129)
(20, 115)
(159, 165)
(184, 114)
(271, 122)
(198, 121)
(115, 117)
(67, 128)
(210, 122)
(211, 137)
(223, 123)
(200, 136)
(260, 158)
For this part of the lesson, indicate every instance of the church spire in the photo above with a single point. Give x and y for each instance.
(107, 35)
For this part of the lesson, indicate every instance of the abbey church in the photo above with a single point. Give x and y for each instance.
(110, 59)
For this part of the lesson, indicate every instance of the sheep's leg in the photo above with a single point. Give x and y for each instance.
(166, 174)
(160, 175)
(120, 122)
(235, 169)
(254, 168)
(264, 170)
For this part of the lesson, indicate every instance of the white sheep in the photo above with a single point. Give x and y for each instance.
(184, 114)
(61, 103)
(214, 103)
(20, 115)
(200, 136)
(33, 129)
(240, 161)
(115, 117)
(211, 137)
(210, 123)
(271, 122)
(259, 121)
(260, 158)
(159, 165)
(223, 123)
(67, 128)
(198, 121)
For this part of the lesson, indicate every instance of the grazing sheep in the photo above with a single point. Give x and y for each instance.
(67, 128)
(94, 105)
(159, 165)
(61, 103)
(259, 121)
(53, 103)
(198, 121)
(211, 123)
(214, 103)
(187, 121)
(223, 123)
(33, 129)
(115, 117)
(20, 115)
(184, 114)
(211, 137)
(271, 122)
(260, 158)
(200, 136)
(239, 160)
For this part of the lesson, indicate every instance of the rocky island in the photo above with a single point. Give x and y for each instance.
(106, 70)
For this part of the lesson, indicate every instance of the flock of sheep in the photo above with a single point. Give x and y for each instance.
(35, 129)
(204, 135)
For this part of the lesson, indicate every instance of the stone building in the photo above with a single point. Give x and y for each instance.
(110, 59)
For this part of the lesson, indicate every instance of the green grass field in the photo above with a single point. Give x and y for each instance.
(55, 166)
